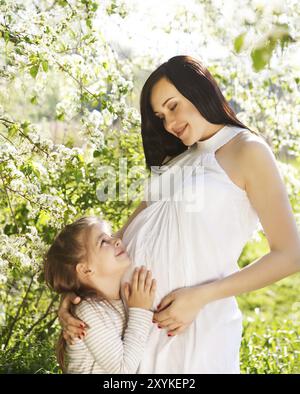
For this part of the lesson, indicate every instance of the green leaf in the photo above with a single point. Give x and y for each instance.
(89, 23)
(259, 59)
(94, 7)
(262, 55)
(239, 42)
(6, 36)
(45, 65)
(33, 100)
(19, 51)
(96, 153)
(62, 3)
(12, 130)
(95, 103)
(34, 70)
(44, 217)
(80, 158)
(34, 59)
(60, 116)
(25, 127)
(27, 168)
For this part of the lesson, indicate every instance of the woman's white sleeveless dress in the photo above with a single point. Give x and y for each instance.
(188, 242)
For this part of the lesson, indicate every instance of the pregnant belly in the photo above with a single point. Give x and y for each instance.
(152, 240)
(160, 238)
(155, 239)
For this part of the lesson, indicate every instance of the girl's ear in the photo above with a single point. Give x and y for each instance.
(83, 269)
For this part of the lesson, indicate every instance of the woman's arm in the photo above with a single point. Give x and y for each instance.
(267, 194)
(139, 208)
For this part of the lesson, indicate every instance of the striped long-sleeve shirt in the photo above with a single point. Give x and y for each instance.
(112, 344)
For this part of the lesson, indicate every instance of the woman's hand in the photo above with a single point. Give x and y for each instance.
(72, 328)
(179, 308)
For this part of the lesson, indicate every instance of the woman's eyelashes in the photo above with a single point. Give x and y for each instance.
(171, 109)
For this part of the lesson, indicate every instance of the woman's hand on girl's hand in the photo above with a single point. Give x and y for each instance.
(72, 328)
(179, 308)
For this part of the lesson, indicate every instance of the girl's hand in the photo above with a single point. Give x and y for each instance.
(179, 308)
(72, 328)
(141, 292)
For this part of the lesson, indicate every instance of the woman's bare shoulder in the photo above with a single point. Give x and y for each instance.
(248, 144)
(242, 155)
(242, 142)
(246, 138)
(252, 153)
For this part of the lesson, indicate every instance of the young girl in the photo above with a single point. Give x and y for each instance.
(86, 260)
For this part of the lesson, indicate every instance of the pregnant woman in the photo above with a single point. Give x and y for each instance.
(192, 245)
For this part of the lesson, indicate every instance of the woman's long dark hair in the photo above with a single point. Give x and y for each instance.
(194, 82)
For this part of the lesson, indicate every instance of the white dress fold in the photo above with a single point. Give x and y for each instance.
(191, 233)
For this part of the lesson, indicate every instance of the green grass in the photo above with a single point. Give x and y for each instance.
(271, 336)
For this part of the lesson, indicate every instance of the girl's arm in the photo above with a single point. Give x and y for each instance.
(112, 353)
(139, 209)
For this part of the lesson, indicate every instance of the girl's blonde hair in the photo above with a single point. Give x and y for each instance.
(67, 250)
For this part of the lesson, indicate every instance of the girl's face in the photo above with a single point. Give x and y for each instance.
(180, 117)
(107, 257)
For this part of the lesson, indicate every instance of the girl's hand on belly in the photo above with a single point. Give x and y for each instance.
(179, 308)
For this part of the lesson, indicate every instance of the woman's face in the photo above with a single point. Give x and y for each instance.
(180, 117)
(107, 256)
